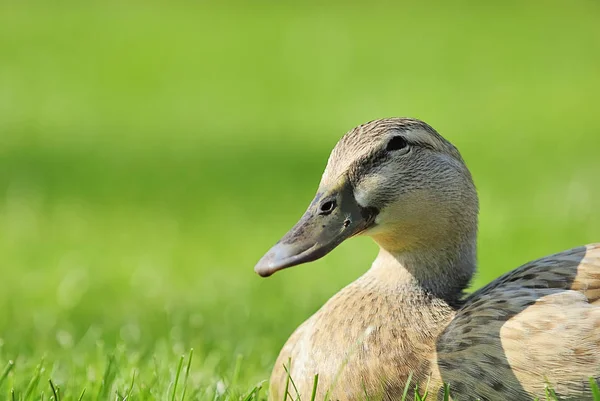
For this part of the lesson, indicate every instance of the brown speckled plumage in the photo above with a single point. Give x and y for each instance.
(537, 325)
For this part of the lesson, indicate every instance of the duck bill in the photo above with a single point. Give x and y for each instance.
(323, 227)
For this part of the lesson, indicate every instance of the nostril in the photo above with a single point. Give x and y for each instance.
(327, 207)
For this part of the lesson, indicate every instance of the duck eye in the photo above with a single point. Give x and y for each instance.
(327, 207)
(396, 143)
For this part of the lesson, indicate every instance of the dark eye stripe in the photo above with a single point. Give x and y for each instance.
(396, 143)
(377, 156)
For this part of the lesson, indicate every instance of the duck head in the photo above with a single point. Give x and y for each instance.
(396, 180)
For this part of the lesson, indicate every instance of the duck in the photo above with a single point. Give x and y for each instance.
(407, 324)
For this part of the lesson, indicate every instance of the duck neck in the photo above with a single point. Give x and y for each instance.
(443, 272)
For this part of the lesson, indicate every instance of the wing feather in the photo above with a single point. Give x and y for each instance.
(537, 325)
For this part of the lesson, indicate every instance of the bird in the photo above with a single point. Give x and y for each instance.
(407, 323)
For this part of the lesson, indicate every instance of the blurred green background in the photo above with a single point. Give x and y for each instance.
(151, 152)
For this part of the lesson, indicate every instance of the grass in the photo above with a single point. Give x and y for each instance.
(151, 152)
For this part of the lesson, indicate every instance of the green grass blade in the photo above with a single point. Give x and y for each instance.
(236, 371)
(9, 366)
(314, 389)
(417, 395)
(33, 383)
(128, 394)
(406, 387)
(595, 389)
(293, 384)
(81, 395)
(187, 374)
(252, 393)
(287, 380)
(427, 388)
(446, 392)
(260, 387)
(107, 379)
(550, 393)
(54, 390)
(179, 367)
